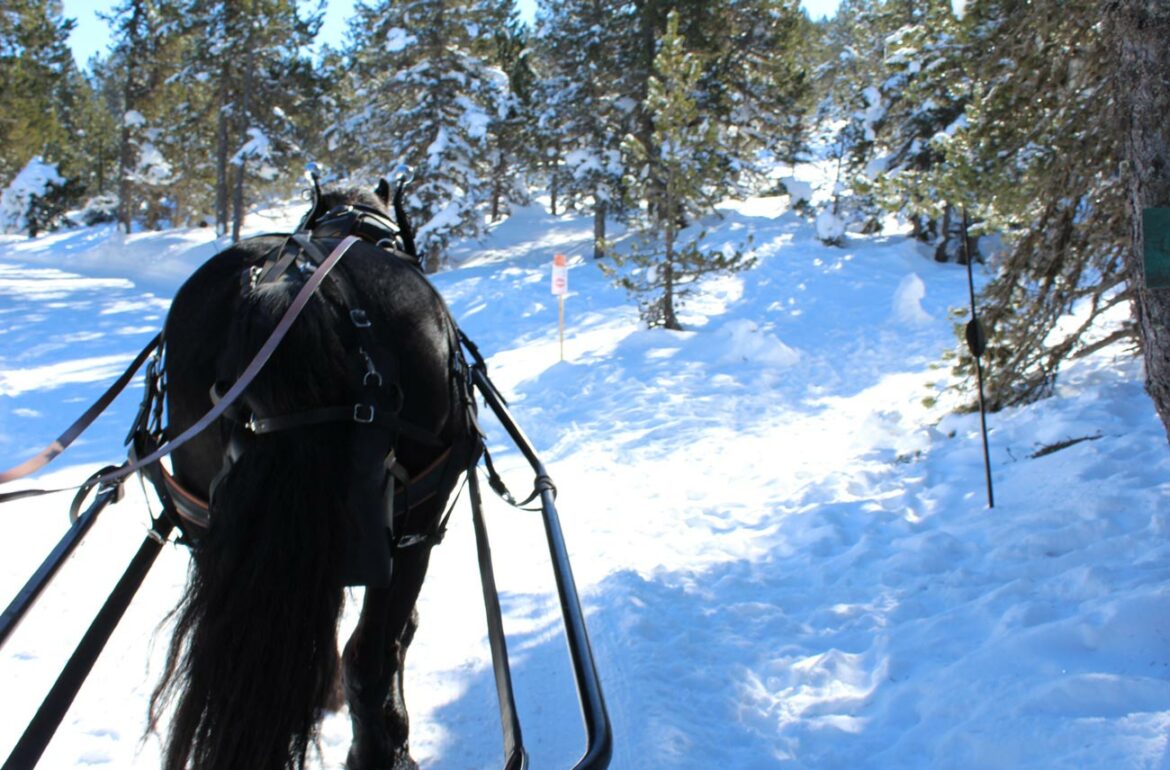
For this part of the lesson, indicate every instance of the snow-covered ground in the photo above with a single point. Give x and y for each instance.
(780, 535)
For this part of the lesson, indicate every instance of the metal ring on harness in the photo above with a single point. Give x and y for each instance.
(367, 417)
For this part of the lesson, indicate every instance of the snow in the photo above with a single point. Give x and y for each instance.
(257, 146)
(152, 167)
(33, 180)
(873, 112)
(908, 301)
(779, 530)
(438, 147)
(830, 226)
(798, 189)
(474, 120)
(398, 40)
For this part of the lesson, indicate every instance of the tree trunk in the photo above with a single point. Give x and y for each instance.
(434, 258)
(242, 118)
(129, 102)
(1141, 29)
(553, 177)
(669, 319)
(599, 209)
(125, 205)
(499, 170)
(221, 160)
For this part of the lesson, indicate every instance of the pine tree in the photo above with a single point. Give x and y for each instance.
(141, 43)
(590, 105)
(676, 173)
(600, 56)
(512, 140)
(849, 88)
(424, 101)
(550, 134)
(924, 94)
(1038, 163)
(91, 157)
(35, 66)
(247, 70)
(757, 80)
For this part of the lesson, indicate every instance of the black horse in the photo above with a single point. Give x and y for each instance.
(334, 468)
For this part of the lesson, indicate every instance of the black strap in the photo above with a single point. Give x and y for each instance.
(541, 484)
(362, 414)
(276, 269)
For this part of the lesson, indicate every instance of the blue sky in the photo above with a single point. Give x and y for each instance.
(91, 35)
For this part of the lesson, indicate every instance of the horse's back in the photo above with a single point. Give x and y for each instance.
(217, 322)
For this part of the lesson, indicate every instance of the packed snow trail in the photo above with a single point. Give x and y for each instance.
(781, 538)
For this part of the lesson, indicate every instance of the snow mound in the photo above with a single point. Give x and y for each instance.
(798, 189)
(830, 227)
(908, 301)
(742, 340)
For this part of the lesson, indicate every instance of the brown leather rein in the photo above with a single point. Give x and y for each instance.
(54, 449)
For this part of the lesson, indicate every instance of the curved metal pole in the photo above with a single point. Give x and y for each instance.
(598, 731)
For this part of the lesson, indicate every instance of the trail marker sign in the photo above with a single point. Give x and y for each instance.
(560, 287)
(560, 276)
(1156, 235)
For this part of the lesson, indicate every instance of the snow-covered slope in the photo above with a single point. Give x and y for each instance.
(781, 537)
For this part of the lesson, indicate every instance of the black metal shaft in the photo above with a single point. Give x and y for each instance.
(983, 426)
(515, 757)
(598, 732)
(44, 724)
(977, 352)
(28, 595)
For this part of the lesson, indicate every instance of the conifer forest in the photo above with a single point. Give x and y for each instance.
(1024, 134)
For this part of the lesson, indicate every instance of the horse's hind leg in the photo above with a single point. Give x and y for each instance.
(374, 658)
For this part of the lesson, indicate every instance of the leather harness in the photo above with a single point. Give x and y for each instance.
(378, 402)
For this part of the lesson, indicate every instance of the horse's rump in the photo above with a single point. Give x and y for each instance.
(296, 473)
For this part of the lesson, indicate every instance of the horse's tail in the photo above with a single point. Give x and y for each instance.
(253, 661)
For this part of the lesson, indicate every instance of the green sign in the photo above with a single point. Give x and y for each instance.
(1156, 234)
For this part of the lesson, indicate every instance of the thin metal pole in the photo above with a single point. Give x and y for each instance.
(976, 342)
(44, 724)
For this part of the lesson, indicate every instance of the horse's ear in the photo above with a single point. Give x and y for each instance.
(383, 191)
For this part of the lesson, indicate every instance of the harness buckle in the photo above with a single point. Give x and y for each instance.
(371, 371)
(364, 417)
(359, 318)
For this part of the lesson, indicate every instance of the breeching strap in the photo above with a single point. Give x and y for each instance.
(257, 363)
